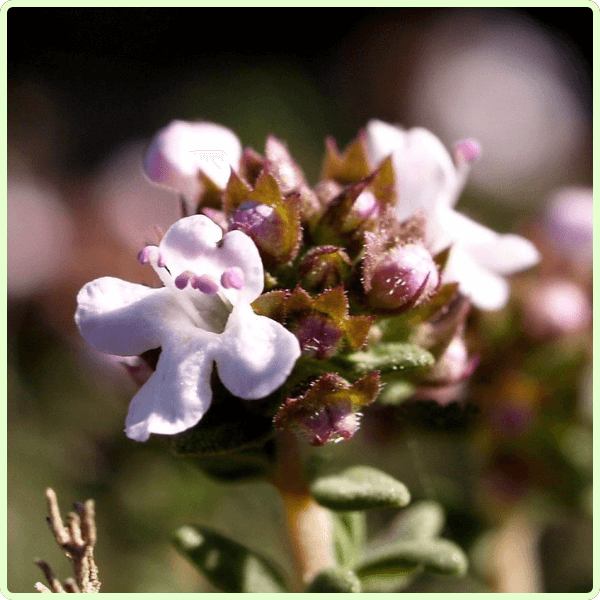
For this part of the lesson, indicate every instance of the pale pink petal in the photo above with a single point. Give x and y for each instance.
(256, 354)
(122, 318)
(197, 244)
(486, 290)
(508, 253)
(425, 174)
(182, 149)
(177, 395)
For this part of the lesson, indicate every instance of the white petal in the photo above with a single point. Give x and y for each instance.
(425, 174)
(194, 244)
(486, 290)
(256, 354)
(508, 254)
(181, 150)
(177, 395)
(118, 317)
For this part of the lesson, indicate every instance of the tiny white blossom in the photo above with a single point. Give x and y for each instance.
(202, 316)
(181, 150)
(428, 179)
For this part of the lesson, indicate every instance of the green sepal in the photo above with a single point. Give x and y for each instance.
(334, 580)
(226, 564)
(392, 356)
(359, 488)
(349, 532)
(401, 557)
(348, 167)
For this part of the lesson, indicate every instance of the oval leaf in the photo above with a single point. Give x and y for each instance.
(393, 356)
(423, 520)
(359, 488)
(436, 555)
(226, 564)
(335, 579)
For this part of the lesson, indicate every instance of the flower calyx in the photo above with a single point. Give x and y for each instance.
(321, 323)
(271, 219)
(329, 410)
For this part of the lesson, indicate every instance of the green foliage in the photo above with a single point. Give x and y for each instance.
(226, 564)
(359, 488)
(335, 579)
(391, 357)
(349, 532)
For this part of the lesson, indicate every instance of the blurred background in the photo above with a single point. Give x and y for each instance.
(511, 463)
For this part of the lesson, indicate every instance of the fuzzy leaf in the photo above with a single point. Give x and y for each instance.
(348, 536)
(334, 580)
(391, 357)
(226, 564)
(359, 488)
(422, 520)
(436, 555)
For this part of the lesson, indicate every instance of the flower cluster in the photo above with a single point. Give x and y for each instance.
(311, 298)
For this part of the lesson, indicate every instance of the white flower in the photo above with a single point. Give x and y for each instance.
(201, 316)
(427, 179)
(180, 151)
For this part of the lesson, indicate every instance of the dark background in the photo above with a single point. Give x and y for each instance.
(112, 65)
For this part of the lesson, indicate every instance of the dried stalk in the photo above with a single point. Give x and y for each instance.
(77, 539)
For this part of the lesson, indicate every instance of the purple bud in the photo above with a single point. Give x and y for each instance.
(329, 423)
(233, 278)
(183, 279)
(403, 277)
(467, 151)
(263, 224)
(318, 336)
(205, 284)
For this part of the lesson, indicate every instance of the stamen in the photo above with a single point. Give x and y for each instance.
(160, 261)
(205, 284)
(467, 151)
(183, 279)
(233, 278)
(144, 254)
(159, 233)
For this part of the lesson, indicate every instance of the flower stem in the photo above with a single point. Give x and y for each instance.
(308, 524)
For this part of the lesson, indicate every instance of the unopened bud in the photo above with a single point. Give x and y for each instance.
(404, 277)
(318, 335)
(329, 423)
(364, 209)
(324, 267)
(263, 224)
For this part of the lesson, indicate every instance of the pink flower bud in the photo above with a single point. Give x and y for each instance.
(263, 224)
(329, 423)
(365, 208)
(319, 336)
(404, 276)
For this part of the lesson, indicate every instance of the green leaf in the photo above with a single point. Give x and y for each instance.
(423, 520)
(395, 392)
(436, 555)
(348, 536)
(334, 579)
(226, 564)
(359, 488)
(391, 357)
